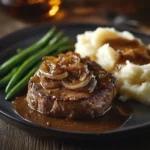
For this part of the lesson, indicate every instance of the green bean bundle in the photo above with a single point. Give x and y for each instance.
(13, 61)
(51, 44)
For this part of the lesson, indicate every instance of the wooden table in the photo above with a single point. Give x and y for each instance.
(12, 138)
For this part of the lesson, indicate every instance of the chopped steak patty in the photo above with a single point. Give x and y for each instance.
(74, 103)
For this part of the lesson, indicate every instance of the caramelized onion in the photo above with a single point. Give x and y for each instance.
(76, 67)
(68, 68)
(77, 84)
(83, 76)
(90, 87)
(49, 84)
(54, 77)
(48, 58)
(44, 67)
(38, 73)
(92, 84)
(69, 58)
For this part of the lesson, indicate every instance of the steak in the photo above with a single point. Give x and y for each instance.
(74, 103)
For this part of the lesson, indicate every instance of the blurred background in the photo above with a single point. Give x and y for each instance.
(129, 14)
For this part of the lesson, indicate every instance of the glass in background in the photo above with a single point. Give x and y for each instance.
(31, 9)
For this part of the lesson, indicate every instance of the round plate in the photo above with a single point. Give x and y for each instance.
(140, 121)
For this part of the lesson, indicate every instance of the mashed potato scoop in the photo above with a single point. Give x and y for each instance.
(122, 54)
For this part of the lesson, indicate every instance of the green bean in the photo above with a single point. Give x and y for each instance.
(35, 58)
(13, 61)
(18, 50)
(16, 89)
(64, 49)
(21, 85)
(4, 81)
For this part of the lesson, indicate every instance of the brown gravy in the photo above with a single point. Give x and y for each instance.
(113, 119)
(130, 50)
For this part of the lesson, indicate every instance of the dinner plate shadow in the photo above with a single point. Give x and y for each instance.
(139, 123)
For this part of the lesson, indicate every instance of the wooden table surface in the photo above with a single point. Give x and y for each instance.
(12, 138)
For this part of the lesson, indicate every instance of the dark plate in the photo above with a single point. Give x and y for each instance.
(139, 123)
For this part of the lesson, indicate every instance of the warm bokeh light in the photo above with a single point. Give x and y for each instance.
(54, 5)
(60, 15)
(53, 10)
(54, 2)
(49, 7)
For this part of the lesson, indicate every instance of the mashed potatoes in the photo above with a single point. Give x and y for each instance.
(133, 73)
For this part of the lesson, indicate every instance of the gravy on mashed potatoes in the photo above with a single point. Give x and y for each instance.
(122, 54)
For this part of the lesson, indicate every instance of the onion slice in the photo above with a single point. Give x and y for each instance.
(90, 87)
(77, 84)
(83, 76)
(54, 77)
(92, 84)
(49, 85)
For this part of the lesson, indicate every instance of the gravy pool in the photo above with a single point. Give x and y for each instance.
(118, 114)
